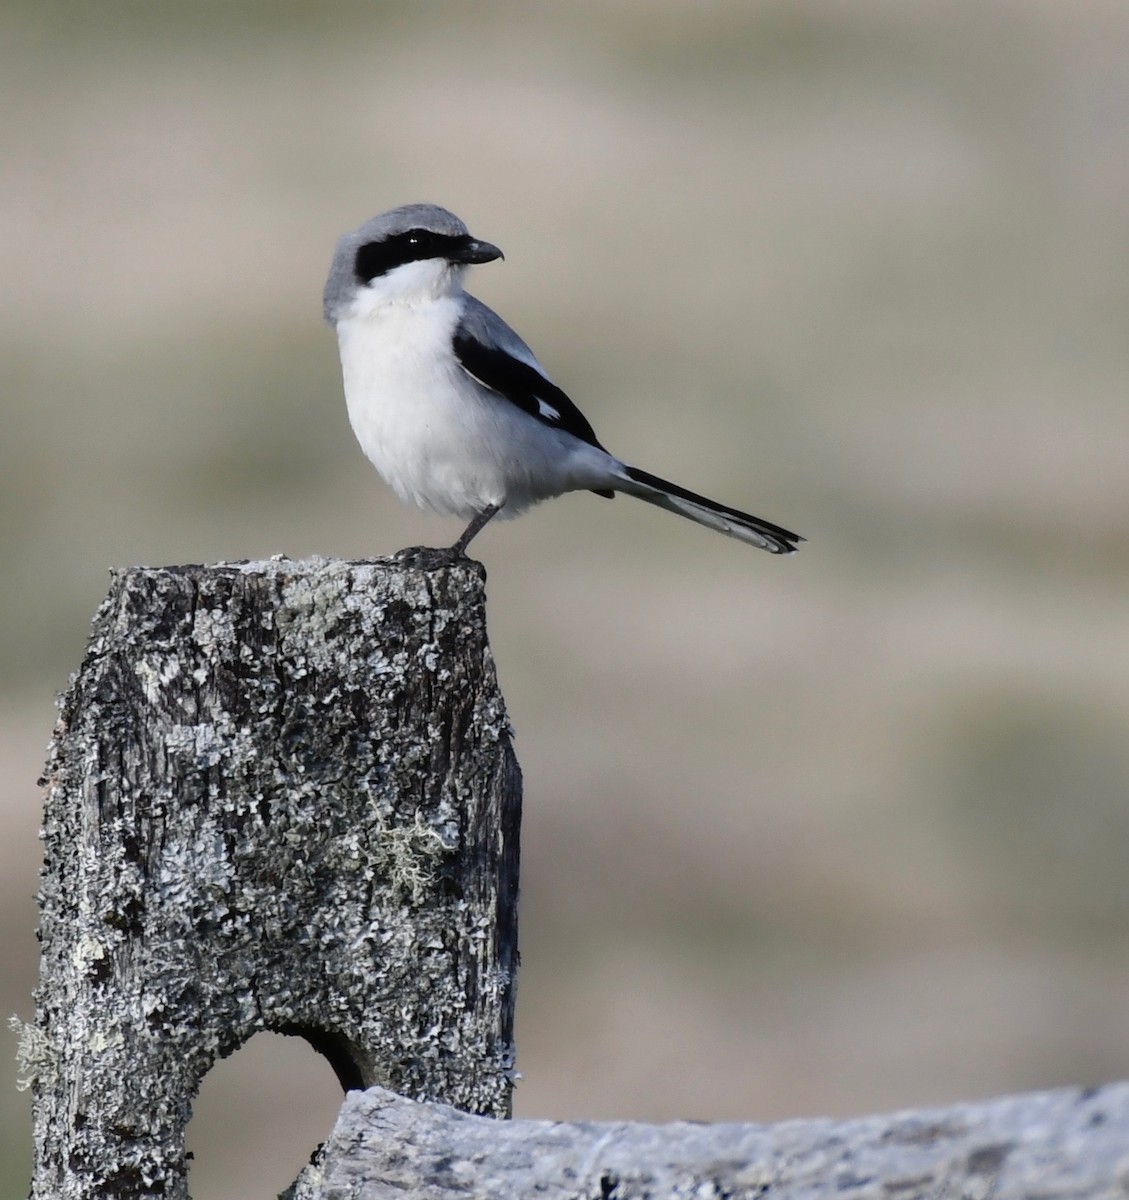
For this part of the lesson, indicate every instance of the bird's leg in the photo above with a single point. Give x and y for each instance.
(475, 527)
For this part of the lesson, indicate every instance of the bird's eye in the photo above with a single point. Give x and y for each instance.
(378, 258)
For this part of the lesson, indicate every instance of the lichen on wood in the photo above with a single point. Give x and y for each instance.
(281, 796)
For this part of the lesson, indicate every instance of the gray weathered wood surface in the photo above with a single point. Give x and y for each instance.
(1063, 1145)
(281, 796)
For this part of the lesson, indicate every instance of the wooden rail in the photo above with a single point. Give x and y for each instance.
(282, 796)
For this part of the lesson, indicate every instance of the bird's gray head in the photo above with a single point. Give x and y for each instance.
(411, 252)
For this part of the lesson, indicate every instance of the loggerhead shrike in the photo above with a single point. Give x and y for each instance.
(450, 405)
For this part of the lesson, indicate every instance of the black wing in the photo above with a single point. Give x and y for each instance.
(523, 385)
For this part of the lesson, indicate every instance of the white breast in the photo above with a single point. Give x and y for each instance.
(435, 435)
(402, 392)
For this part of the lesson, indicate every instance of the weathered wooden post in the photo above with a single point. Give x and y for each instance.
(281, 796)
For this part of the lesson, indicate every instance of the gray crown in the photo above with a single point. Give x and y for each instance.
(341, 283)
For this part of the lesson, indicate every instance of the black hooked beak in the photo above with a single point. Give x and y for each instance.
(474, 251)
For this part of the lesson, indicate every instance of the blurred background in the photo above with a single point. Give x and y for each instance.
(826, 835)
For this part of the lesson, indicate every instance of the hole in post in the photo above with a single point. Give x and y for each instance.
(259, 1116)
(338, 1052)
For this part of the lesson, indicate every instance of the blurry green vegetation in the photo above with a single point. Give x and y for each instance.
(1036, 792)
(859, 268)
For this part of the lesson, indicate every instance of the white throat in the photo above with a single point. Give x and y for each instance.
(413, 283)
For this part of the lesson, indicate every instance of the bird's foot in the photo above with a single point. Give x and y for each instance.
(431, 558)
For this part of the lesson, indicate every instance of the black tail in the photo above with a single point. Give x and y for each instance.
(731, 521)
